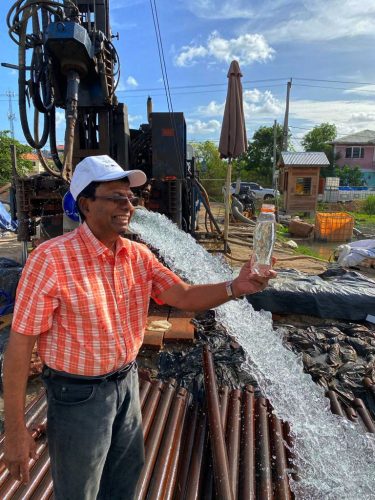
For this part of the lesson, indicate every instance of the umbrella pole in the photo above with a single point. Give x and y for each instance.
(227, 204)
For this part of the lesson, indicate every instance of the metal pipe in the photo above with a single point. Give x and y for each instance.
(233, 438)
(194, 483)
(177, 452)
(160, 474)
(44, 490)
(154, 438)
(280, 460)
(219, 452)
(263, 451)
(335, 404)
(351, 414)
(364, 414)
(247, 486)
(189, 433)
(150, 406)
(144, 389)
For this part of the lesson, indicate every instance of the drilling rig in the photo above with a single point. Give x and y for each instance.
(67, 60)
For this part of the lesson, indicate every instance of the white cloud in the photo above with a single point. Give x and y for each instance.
(60, 119)
(201, 127)
(188, 55)
(247, 49)
(220, 9)
(317, 20)
(134, 119)
(348, 116)
(362, 90)
(255, 103)
(131, 81)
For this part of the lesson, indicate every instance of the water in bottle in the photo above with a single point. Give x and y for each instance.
(263, 240)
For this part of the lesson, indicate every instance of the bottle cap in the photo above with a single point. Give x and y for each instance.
(267, 208)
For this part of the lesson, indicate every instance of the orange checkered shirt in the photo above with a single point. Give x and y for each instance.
(88, 306)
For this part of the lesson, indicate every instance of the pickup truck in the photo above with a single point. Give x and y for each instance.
(260, 192)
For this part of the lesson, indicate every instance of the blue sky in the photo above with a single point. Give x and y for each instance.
(325, 46)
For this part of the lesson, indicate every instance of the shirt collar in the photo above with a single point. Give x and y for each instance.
(95, 246)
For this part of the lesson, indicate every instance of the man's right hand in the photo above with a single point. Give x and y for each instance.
(18, 449)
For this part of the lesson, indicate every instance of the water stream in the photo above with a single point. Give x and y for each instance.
(335, 459)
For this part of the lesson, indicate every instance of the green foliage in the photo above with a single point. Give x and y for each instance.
(257, 160)
(369, 205)
(318, 140)
(212, 168)
(23, 166)
(349, 176)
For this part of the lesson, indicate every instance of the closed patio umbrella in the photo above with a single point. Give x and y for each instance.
(233, 140)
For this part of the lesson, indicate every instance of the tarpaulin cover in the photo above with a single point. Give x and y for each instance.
(337, 293)
(6, 222)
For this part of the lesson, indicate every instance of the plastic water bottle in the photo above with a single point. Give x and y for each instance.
(263, 240)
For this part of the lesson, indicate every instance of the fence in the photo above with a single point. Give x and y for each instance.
(345, 194)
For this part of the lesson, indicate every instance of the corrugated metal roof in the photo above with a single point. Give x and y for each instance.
(362, 137)
(305, 159)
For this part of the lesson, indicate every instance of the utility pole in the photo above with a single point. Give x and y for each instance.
(285, 129)
(274, 154)
(11, 115)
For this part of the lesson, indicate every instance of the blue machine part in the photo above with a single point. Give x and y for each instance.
(70, 207)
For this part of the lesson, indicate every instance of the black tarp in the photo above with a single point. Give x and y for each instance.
(336, 293)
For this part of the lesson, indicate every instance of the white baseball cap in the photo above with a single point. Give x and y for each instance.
(102, 169)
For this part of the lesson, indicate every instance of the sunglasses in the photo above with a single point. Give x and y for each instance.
(120, 200)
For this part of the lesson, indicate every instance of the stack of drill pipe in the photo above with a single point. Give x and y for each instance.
(254, 445)
(356, 412)
(178, 445)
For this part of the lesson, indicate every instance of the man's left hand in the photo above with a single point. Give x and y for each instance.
(248, 282)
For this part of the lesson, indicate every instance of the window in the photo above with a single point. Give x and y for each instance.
(354, 152)
(303, 186)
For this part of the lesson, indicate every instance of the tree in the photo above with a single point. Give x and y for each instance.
(318, 140)
(23, 166)
(258, 158)
(349, 176)
(212, 168)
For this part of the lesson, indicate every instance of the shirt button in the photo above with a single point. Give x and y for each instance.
(120, 296)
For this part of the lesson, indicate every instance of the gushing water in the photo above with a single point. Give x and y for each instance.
(334, 459)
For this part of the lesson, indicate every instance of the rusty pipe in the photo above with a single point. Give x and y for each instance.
(195, 480)
(247, 489)
(280, 461)
(233, 429)
(219, 452)
(334, 403)
(161, 471)
(150, 406)
(208, 487)
(263, 451)
(144, 390)
(177, 452)
(364, 414)
(189, 433)
(154, 438)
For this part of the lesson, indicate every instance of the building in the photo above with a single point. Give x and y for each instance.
(299, 180)
(358, 150)
(37, 166)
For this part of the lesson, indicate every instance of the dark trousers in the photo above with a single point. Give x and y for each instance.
(95, 437)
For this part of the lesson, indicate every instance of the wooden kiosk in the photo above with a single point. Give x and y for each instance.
(299, 180)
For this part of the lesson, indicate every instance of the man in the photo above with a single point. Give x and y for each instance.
(84, 296)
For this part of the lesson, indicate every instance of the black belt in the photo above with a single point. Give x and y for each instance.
(81, 379)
